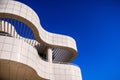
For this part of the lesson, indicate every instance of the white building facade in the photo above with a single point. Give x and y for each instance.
(28, 52)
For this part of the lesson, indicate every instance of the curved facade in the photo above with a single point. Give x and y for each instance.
(28, 52)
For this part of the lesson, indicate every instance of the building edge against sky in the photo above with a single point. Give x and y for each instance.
(28, 52)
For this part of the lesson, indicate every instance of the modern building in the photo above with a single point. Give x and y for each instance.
(28, 52)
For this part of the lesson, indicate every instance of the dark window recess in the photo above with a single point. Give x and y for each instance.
(41, 53)
(5, 34)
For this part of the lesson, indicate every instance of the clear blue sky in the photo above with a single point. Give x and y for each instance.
(95, 25)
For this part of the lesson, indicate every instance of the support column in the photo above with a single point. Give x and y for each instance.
(0, 25)
(49, 55)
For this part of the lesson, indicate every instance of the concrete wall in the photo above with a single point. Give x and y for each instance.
(17, 50)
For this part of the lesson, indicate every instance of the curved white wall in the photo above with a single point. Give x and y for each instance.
(17, 50)
(21, 12)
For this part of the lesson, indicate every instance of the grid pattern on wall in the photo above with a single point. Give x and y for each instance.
(14, 50)
(27, 51)
(18, 11)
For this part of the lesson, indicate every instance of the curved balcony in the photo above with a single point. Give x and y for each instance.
(19, 30)
(16, 11)
(24, 45)
(21, 55)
